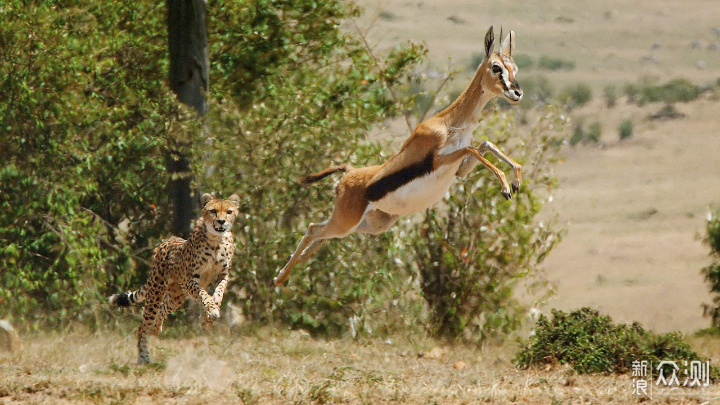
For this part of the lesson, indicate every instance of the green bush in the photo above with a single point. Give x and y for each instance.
(712, 272)
(470, 255)
(91, 120)
(631, 91)
(677, 90)
(550, 63)
(90, 123)
(592, 343)
(580, 134)
(625, 129)
(610, 95)
(578, 95)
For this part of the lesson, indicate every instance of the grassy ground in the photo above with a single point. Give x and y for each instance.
(273, 365)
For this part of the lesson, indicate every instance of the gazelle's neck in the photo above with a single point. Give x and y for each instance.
(465, 111)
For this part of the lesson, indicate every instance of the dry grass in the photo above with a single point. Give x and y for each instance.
(273, 365)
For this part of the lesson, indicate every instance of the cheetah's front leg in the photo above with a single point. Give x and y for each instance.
(194, 290)
(222, 285)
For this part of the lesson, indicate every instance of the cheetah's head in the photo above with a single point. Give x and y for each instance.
(219, 215)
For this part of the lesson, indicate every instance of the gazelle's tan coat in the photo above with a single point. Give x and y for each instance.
(371, 199)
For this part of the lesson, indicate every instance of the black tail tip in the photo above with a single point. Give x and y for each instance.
(120, 300)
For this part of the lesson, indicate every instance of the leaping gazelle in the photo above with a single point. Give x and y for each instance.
(371, 199)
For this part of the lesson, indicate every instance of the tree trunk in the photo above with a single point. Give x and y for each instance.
(187, 45)
(187, 42)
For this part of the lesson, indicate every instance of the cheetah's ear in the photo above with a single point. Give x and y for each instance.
(234, 199)
(205, 199)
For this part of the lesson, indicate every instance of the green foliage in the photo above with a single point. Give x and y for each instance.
(591, 135)
(470, 254)
(82, 151)
(578, 95)
(631, 91)
(592, 343)
(625, 129)
(610, 95)
(712, 272)
(677, 90)
(90, 123)
(550, 63)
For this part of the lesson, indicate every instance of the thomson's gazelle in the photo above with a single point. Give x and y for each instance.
(371, 199)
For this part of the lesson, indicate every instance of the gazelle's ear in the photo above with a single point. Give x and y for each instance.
(489, 41)
(508, 44)
(205, 199)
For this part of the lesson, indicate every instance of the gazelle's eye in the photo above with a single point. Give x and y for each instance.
(496, 69)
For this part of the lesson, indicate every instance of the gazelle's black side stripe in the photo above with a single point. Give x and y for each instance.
(394, 181)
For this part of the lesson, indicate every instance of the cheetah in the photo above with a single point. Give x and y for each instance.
(183, 268)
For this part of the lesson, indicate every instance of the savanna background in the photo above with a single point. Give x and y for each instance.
(616, 133)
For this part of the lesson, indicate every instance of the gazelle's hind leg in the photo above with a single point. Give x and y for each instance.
(351, 205)
(314, 235)
(315, 245)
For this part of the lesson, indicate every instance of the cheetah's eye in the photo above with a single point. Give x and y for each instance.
(213, 211)
(229, 212)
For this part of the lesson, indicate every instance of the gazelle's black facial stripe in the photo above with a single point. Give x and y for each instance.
(504, 75)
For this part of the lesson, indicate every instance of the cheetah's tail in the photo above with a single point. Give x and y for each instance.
(127, 299)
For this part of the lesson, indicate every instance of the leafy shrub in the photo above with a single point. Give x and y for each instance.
(578, 95)
(631, 91)
(550, 63)
(592, 343)
(610, 95)
(677, 90)
(625, 129)
(712, 272)
(591, 135)
(92, 121)
(470, 255)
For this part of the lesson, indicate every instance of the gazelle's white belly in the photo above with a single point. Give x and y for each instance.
(423, 192)
(419, 194)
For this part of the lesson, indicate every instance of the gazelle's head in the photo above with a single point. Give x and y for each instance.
(499, 68)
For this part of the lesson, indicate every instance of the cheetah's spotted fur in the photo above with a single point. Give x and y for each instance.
(183, 268)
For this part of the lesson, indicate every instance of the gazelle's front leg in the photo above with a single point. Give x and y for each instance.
(461, 154)
(470, 162)
(488, 146)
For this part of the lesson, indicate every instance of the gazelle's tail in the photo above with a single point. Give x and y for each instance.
(312, 178)
(127, 299)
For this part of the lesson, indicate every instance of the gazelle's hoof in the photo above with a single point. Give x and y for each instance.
(515, 187)
(507, 195)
